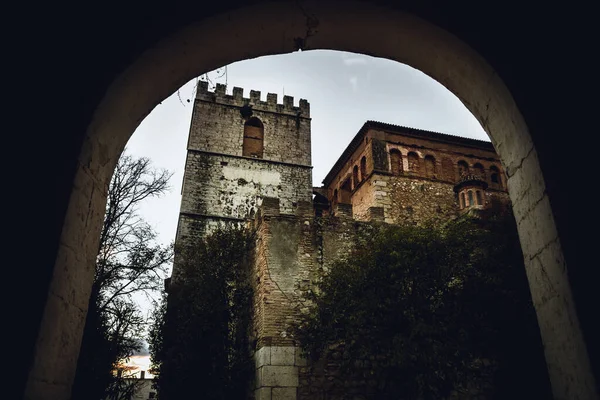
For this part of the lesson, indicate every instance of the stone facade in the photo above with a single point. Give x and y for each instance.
(249, 162)
(412, 174)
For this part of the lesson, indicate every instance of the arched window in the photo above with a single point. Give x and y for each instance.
(462, 200)
(363, 168)
(355, 180)
(253, 138)
(346, 192)
(413, 162)
(479, 199)
(479, 170)
(495, 176)
(396, 161)
(463, 168)
(471, 202)
(430, 166)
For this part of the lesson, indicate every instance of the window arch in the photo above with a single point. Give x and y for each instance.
(463, 168)
(355, 180)
(470, 194)
(396, 161)
(363, 168)
(253, 138)
(462, 200)
(495, 176)
(413, 162)
(430, 169)
(479, 198)
(346, 192)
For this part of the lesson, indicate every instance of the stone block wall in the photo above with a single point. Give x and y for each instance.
(218, 124)
(233, 187)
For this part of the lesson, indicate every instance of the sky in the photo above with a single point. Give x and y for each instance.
(344, 91)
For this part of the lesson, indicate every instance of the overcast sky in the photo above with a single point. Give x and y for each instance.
(344, 90)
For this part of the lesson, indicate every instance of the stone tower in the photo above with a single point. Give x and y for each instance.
(241, 150)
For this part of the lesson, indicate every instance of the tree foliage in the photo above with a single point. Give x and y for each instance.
(426, 313)
(201, 336)
(129, 263)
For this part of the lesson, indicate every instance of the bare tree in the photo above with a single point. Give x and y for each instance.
(129, 262)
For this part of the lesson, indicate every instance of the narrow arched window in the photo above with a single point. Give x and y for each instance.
(363, 168)
(396, 161)
(463, 168)
(479, 199)
(471, 202)
(253, 138)
(346, 192)
(355, 180)
(413, 162)
(462, 200)
(430, 166)
(495, 176)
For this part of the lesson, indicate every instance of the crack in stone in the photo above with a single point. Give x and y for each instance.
(532, 207)
(546, 277)
(555, 240)
(67, 302)
(514, 170)
(312, 22)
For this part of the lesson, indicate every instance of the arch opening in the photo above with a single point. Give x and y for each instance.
(129, 99)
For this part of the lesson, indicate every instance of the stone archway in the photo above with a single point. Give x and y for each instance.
(355, 27)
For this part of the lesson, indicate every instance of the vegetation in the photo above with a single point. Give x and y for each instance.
(129, 263)
(431, 313)
(200, 340)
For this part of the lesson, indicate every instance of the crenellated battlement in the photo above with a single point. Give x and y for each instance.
(237, 99)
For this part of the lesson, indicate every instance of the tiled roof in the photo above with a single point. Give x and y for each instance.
(404, 130)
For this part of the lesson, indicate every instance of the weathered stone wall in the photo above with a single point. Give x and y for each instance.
(227, 186)
(413, 201)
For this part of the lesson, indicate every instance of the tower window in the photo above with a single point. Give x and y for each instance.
(253, 138)
(479, 199)
(471, 202)
(462, 200)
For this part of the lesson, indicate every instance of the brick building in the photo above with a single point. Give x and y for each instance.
(404, 175)
(249, 161)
